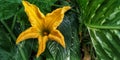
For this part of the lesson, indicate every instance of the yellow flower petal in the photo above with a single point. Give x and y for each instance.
(42, 44)
(35, 16)
(29, 33)
(57, 36)
(53, 20)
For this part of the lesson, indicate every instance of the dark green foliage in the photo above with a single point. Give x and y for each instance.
(102, 19)
(8, 8)
(95, 19)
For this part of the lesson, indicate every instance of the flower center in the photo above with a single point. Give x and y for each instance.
(45, 32)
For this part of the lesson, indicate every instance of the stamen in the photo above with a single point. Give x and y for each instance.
(45, 33)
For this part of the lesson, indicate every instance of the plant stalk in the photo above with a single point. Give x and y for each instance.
(14, 38)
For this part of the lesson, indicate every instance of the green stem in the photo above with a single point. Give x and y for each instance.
(14, 20)
(14, 38)
(102, 26)
(21, 52)
(12, 35)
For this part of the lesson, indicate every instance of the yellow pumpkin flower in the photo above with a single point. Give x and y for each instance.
(43, 27)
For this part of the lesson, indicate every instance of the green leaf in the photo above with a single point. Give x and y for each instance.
(102, 18)
(8, 49)
(72, 50)
(13, 1)
(5, 45)
(8, 8)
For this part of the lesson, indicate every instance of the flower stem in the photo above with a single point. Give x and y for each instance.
(12, 35)
(14, 38)
(13, 22)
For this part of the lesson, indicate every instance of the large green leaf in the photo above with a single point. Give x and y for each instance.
(102, 18)
(70, 31)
